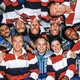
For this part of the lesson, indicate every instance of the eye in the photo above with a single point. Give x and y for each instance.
(53, 45)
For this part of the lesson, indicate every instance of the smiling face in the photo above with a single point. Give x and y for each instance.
(56, 46)
(71, 34)
(54, 29)
(56, 9)
(34, 27)
(41, 46)
(5, 31)
(17, 43)
(20, 26)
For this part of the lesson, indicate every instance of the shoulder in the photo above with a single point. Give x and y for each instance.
(49, 53)
(30, 55)
(9, 57)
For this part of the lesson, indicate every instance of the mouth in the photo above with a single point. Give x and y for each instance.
(6, 33)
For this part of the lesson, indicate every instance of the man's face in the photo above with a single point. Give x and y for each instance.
(56, 9)
(54, 29)
(71, 34)
(5, 31)
(34, 28)
(56, 46)
(17, 43)
(20, 26)
(41, 46)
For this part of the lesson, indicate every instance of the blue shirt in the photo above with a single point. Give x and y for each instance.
(4, 42)
(42, 64)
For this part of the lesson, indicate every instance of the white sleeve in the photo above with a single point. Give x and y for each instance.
(50, 78)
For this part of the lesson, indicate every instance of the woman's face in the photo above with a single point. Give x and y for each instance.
(56, 46)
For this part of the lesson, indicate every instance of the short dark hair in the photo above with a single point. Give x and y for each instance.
(17, 34)
(63, 33)
(56, 38)
(8, 25)
(40, 37)
(49, 4)
(1, 24)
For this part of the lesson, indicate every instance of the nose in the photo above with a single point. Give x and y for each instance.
(4, 31)
(54, 48)
(71, 35)
(41, 46)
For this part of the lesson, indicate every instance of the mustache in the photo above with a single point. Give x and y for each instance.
(6, 33)
(20, 28)
(34, 28)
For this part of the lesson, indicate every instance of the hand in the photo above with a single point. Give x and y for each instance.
(2, 55)
(73, 55)
(48, 46)
(29, 49)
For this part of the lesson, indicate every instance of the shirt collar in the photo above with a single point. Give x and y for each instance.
(23, 51)
(60, 53)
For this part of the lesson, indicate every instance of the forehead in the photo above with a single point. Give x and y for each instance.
(54, 42)
(41, 40)
(68, 30)
(17, 38)
(55, 25)
(19, 21)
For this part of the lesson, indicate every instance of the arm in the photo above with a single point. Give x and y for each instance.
(76, 46)
(45, 36)
(69, 54)
(71, 70)
(2, 54)
(50, 70)
(2, 66)
(32, 44)
(33, 67)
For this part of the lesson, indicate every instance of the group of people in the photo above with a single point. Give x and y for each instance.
(28, 51)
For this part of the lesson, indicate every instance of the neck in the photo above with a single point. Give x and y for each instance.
(41, 54)
(18, 53)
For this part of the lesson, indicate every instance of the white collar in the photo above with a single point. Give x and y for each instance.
(60, 53)
(23, 51)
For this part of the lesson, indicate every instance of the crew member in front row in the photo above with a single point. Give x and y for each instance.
(64, 67)
(20, 64)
